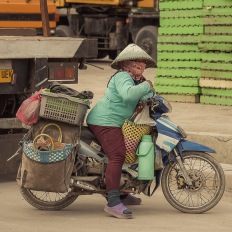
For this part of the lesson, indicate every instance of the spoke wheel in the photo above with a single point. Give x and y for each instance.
(47, 200)
(208, 183)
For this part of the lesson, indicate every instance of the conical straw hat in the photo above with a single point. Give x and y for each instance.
(132, 52)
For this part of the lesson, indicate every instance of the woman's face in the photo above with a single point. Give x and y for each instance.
(136, 67)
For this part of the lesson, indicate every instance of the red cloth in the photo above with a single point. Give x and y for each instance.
(28, 112)
(112, 142)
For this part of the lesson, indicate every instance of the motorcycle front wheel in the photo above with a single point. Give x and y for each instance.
(208, 183)
(47, 200)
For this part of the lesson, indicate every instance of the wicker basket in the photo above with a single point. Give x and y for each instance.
(64, 108)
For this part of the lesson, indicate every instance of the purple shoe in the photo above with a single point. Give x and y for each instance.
(131, 200)
(118, 211)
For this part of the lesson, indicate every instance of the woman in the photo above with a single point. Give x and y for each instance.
(125, 89)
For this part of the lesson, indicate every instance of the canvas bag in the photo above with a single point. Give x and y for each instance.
(53, 176)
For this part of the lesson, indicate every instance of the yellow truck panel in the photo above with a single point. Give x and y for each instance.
(60, 3)
(146, 3)
(29, 24)
(22, 6)
(97, 2)
(25, 14)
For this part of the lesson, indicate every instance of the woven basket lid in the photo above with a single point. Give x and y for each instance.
(133, 52)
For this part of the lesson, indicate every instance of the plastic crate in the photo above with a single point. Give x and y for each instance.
(61, 107)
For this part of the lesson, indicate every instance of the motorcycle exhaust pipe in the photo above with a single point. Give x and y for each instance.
(82, 185)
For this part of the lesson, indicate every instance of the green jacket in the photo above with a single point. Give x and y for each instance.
(119, 101)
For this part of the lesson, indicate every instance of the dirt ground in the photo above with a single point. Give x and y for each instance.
(86, 215)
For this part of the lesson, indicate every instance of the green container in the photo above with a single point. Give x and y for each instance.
(146, 158)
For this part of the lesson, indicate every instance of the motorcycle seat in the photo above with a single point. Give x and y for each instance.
(86, 134)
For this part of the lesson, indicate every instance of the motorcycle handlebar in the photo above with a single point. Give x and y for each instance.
(151, 102)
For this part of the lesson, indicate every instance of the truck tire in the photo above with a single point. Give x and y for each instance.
(113, 54)
(146, 38)
(101, 54)
(64, 31)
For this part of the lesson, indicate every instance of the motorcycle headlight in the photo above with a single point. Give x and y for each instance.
(168, 105)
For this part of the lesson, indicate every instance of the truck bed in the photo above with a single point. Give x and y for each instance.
(18, 47)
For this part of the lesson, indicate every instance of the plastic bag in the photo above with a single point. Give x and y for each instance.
(28, 112)
(59, 88)
(144, 118)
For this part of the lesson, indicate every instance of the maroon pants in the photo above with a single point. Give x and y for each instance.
(112, 142)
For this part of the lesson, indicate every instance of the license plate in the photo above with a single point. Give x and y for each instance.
(6, 75)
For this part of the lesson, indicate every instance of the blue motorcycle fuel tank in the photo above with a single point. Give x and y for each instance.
(168, 134)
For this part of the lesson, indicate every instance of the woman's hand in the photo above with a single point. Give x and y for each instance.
(150, 83)
(139, 107)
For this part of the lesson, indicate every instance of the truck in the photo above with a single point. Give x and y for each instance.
(29, 62)
(114, 23)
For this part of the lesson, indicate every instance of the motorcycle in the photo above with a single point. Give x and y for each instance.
(192, 180)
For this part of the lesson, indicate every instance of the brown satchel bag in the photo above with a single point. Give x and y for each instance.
(50, 176)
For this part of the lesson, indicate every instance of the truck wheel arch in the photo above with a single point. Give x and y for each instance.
(64, 31)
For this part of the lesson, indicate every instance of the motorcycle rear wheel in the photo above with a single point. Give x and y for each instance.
(49, 201)
(208, 183)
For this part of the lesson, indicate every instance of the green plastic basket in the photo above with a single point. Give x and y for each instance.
(61, 107)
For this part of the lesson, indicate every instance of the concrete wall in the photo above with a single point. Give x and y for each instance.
(221, 144)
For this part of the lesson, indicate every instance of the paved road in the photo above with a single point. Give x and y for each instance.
(86, 215)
